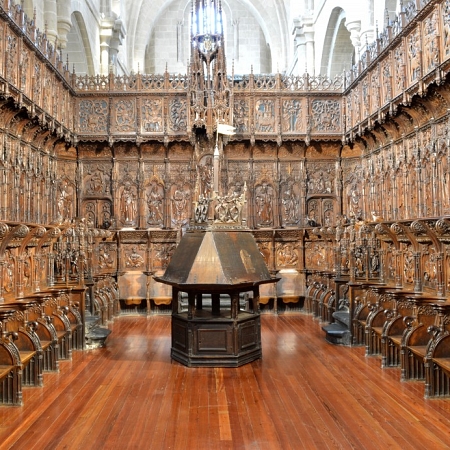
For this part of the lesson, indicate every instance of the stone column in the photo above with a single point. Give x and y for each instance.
(104, 52)
(300, 47)
(51, 20)
(310, 52)
(236, 39)
(64, 24)
(367, 23)
(354, 28)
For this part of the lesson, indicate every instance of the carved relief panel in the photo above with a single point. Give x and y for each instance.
(128, 203)
(386, 80)
(93, 116)
(97, 202)
(321, 178)
(133, 257)
(161, 252)
(151, 115)
(241, 115)
(399, 80)
(265, 115)
(123, 115)
(414, 56)
(37, 73)
(287, 255)
(161, 247)
(292, 116)
(178, 115)
(315, 255)
(326, 116)
(430, 46)
(12, 48)
(408, 263)
(97, 179)
(106, 257)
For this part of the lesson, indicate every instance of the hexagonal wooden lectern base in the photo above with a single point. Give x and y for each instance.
(220, 265)
(216, 341)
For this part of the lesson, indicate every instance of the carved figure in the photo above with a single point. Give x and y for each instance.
(408, 269)
(287, 255)
(201, 209)
(72, 255)
(264, 199)
(134, 259)
(64, 201)
(105, 259)
(180, 201)
(155, 204)
(354, 207)
(228, 208)
(96, 182)
(359, 265)
(290, 204)
(128, 203)
(206, 177)
(414, 57)
(8, 280)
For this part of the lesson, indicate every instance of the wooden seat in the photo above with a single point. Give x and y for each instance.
(25, 340)
(437, 363)
(48, 339)
(393, 329)
(10, 371)
(414, 342)
(8, 378)
(359, 321)
(57, 320)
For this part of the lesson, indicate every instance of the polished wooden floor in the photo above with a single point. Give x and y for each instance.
(303, 394)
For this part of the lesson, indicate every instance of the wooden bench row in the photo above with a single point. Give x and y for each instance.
(36, 333)
(406, 329)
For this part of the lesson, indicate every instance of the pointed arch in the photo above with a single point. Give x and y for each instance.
(338, 50)
(79, 47)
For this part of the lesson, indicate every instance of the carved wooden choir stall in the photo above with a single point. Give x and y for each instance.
(343, 183)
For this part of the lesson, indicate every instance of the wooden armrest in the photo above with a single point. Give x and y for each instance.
(26, 356)
(5, 370)
(46, 344)
(419, 350)
(396, 339)
(444, 363)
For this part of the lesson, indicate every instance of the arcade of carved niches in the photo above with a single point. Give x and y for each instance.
(346, 185)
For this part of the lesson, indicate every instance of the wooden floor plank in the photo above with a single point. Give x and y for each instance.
(303, 393)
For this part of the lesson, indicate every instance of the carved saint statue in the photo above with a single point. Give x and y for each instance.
(201, 209)
(264, 199)
(354, 206)
(290, 203)
(180, 201)
(155, 205)
(64, 201)
(128, 206)
(206, 177)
